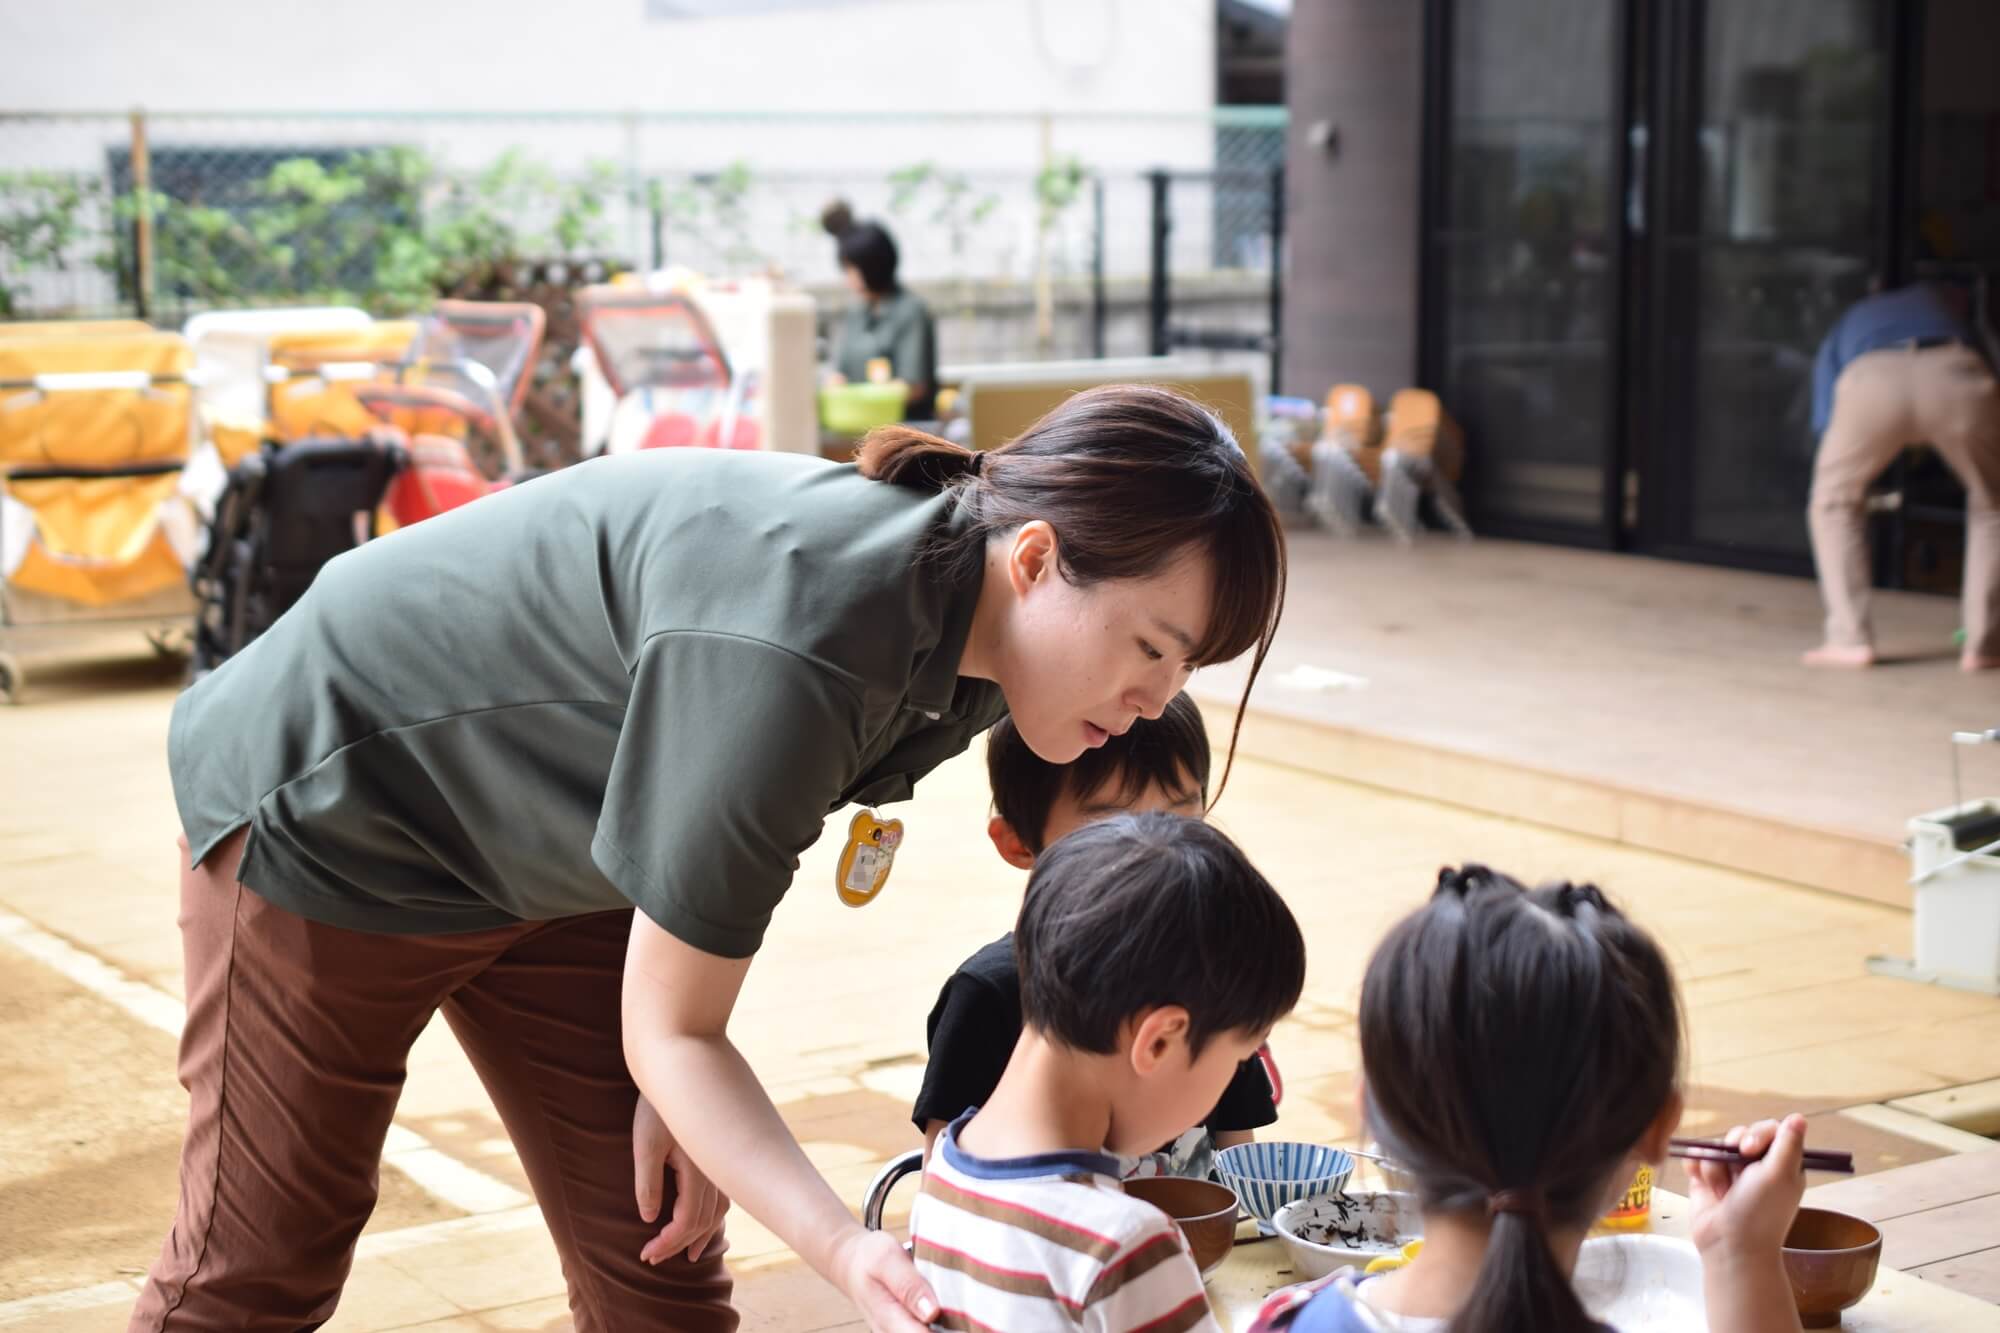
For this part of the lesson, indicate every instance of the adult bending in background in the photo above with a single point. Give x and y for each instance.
(886, 320)
(1899, 368)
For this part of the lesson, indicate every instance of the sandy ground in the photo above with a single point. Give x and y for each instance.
(1781, 1013)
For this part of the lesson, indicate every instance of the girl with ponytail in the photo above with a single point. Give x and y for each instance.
(1521, 1056)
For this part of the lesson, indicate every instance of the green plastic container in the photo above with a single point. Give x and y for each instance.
(856, 409)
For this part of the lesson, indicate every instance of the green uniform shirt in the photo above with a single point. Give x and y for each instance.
(643, 680)
(899, 327)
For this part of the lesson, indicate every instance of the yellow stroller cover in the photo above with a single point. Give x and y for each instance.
(94, 429)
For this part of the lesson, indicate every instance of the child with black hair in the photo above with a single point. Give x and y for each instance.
(1153, 960)
(1158, 764)
(1521, 1056)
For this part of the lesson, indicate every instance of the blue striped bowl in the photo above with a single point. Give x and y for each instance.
(1267, 1176)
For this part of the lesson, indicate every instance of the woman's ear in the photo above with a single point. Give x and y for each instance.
(1156, 1036)
(1008, 843)
(1031, 555)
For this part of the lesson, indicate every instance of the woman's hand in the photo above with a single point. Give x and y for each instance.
(872, 1268)
(676, 1014)
(1748, 1209)
(699, 1206)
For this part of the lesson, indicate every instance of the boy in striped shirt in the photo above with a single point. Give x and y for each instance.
(1159, 763)
(1153, 960)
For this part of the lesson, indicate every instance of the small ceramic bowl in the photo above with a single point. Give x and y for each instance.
(1204, 1211)
(1830, 1259)
(1267, 1176)
(1337, 1230)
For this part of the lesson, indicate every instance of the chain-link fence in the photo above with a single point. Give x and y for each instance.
(1033, 235)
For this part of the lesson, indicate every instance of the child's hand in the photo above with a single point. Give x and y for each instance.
(1741, 1210)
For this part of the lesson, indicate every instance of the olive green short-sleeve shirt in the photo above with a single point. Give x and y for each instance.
(897, 326)
(643, 680)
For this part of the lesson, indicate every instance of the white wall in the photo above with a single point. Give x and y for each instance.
(815, 96)
(897, 56)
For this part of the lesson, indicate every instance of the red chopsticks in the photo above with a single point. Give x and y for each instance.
(1715, 1150)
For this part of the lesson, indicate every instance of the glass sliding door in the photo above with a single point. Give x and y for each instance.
(1523, 257)
(1772, 217)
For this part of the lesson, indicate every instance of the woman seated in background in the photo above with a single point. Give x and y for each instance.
(889, 322)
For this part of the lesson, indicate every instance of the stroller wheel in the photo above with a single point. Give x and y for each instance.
(12, 678)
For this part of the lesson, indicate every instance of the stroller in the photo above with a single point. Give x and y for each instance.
(286, 511)
(450, 390)
(95, 430)
(672, 381)
(369, 429)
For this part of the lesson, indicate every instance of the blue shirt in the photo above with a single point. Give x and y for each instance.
(1332, 1310)
(1872, 324)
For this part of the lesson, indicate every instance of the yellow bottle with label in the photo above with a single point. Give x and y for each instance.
(1635, 1206)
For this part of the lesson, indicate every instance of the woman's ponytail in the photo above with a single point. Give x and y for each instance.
(914, 458)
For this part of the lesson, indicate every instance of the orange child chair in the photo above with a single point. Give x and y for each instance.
(1423, 451)
(1346, 461)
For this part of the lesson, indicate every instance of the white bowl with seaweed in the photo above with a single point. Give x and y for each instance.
(1330, 1231)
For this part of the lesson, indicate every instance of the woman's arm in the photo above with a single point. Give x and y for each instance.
(677, 1002)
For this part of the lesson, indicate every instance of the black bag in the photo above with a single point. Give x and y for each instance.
(287, 510)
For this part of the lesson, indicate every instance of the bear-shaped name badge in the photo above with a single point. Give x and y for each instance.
(866, 860)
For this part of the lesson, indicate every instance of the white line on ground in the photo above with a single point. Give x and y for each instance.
(444, 1178)
(149, 1004)
(34, 1308)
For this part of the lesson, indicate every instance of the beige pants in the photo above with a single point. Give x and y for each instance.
(1884, 401)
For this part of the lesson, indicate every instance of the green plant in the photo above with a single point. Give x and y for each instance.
(314, 232)
(955, 205)
(1058, 185)
(716, 207)
(386, 228)
(579, 226)
(41, 221)
(198, 251)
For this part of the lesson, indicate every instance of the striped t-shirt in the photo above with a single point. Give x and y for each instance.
(1050, 1242)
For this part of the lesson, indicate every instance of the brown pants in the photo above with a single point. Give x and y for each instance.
(1884, 401)
(293, 1058)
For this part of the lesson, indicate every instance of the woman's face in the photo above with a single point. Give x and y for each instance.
(1079, 664)
(854, 282)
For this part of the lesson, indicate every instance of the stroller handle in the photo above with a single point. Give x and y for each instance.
(877, 1198)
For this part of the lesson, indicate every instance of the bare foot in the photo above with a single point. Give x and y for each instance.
(1978, 662)
(1836, 655)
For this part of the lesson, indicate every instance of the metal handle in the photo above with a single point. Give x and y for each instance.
(885, 1180)
(1959, 738)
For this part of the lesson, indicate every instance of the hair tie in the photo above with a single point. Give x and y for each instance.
(1525, 1203)
(978, 461)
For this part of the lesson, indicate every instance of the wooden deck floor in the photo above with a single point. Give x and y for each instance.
(1638, 700)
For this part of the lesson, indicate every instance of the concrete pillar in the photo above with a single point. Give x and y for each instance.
(1351, 225)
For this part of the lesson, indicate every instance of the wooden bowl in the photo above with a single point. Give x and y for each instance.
(1830, 1259)
(1204, 1211)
